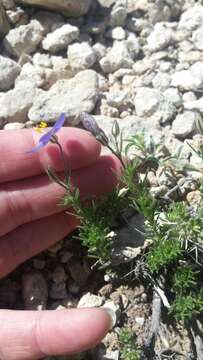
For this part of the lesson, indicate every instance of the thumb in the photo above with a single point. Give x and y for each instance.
(36, 334)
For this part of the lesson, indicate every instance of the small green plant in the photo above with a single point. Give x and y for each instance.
(188, 299)
(128, 348)
(175, 230)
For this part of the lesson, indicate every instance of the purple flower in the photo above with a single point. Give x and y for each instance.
(44, 139)
(89, 123)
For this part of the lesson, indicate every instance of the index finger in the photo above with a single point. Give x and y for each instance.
(80, 150)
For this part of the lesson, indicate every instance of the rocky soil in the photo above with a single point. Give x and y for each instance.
(140, 62)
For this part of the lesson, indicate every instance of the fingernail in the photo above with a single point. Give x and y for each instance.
(112, 315)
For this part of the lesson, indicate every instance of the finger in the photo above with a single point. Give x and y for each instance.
(33, 198)
(30, 239)
(79, 147)
(34, 335)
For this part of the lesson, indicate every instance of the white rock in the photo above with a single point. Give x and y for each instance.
(185, 80)
(24, 39)
(60, 38)
(14, 126)
(71, 96)
(192, 18)
(197, 70)
(9, 70)
(118, 57)
(189, 96)
(133, 45)
(117, 33)
(81, 56)
(118, 14)
(99, 50)
(197, 38)
(147, 101)
(161, 81)
(36, 75)
(159, 38)
(185, 124)
(42, 60)
(173, 95)
(14, 104)
(117, 98)
(90, 300)
(194, 105)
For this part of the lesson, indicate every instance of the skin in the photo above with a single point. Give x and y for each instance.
(31, 221)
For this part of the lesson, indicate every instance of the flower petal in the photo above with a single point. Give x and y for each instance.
(57, 126)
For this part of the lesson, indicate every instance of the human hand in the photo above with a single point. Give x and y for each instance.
(31, 221)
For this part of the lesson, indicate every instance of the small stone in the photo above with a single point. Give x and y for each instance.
(195, 198)
(58, 291)
(90, 300)
(161, 81)
(9, 71)
(197, 38)
(99, 50)
(116, 99)
(42, 60)
(194, 105)
(81, 56)
(189, 96)
(118, 57)
(140, 320)
(173, 95)
(24, 39)
(117, 33)
(60, 38)
(34, 291)
(146, 101)
(192, 18)
(185, 124)
(77, 272)
(197, 70)
(14, 126)
(15, 104)
(59, 275)
(36, 75)
(70, 96)
(185, 80)
(160, 38)
(118, 15)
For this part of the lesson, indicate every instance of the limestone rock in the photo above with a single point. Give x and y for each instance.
(24, 39)
(118, 57)
(185, 124)
(60, 38)
(71, 96)
(192, 18)
(81, 56)
(4, 24)
(147, 101)
(67, 7)
(159, 38)
(185, 80)
(9, 70)
(14, 104)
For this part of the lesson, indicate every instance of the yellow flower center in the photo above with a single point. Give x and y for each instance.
(42, 125)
